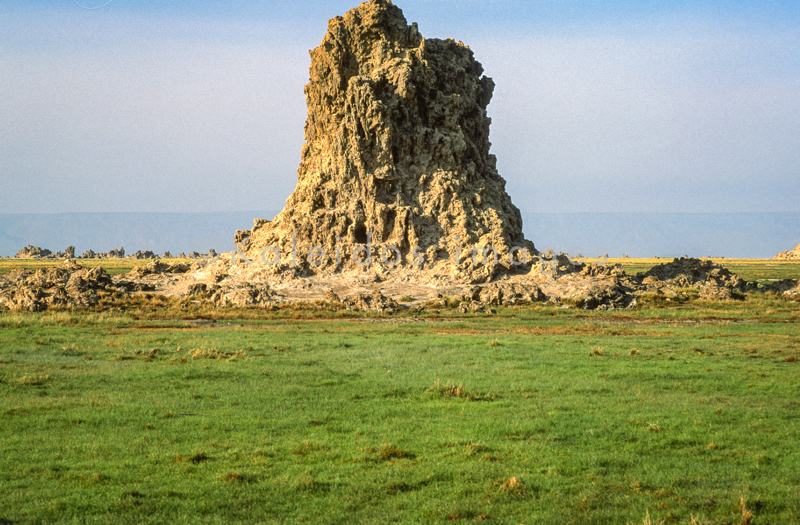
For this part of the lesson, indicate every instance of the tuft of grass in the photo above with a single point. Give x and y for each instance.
(306, 447)
(233, 477)
(512, 485)
(407, 299)
(596, 352)
(791, 359)
(199, 457)
(390, 452)
(746, 515)
(459, 392)
(449, 390)
(214, 353)
(653, 427)
(494, 343)
(194, 457)
(634, 352)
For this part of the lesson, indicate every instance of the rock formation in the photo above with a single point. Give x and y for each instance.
(691, 272)
(33, 252)
(396, 156)
(789, 255)
(147, 254)
(68, 285)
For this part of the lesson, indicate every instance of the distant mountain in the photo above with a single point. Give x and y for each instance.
(746, 235)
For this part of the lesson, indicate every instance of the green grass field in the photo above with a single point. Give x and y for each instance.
(168, 412)
(533, 415)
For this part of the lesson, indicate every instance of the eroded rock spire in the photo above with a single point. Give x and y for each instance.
(396, 152)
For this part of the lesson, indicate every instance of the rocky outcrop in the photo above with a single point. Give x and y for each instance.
(789, 255)
(113, 254)
(692, 273)
(33, 252)
(396, 157)
(64, 286)
(158, 268)
(228, 294)
(376, 302)
(143, 255)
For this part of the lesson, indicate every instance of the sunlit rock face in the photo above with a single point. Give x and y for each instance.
(396, 154)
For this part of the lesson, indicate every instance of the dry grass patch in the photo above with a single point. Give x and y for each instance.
(653, 427)
(452, 390)
(34, 380)
(449, 390)
(233, 477)
(389, 452)
(746, 515)
(145, 355)
(596, 352)
(306, 447)
(214, 353)
(512, 486)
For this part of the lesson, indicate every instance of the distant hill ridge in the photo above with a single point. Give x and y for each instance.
(732, 235)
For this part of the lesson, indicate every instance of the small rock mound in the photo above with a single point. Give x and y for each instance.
(147, 254)
(506, 294)
(692, 273)
(240, 294)
(790, 254)
(158, 268)
(376, 302)
(608, 298)
(33, 252)
(555, 265)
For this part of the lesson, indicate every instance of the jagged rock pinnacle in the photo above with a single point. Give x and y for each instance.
(396, 152)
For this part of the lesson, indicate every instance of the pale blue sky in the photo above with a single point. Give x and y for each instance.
(600, 105)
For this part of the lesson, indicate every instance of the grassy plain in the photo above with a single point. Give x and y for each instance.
(112, 266)
(171, 413)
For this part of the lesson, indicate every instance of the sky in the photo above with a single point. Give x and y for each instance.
(600, 106)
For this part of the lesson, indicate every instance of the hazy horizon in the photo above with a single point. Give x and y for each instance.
(731, 235)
